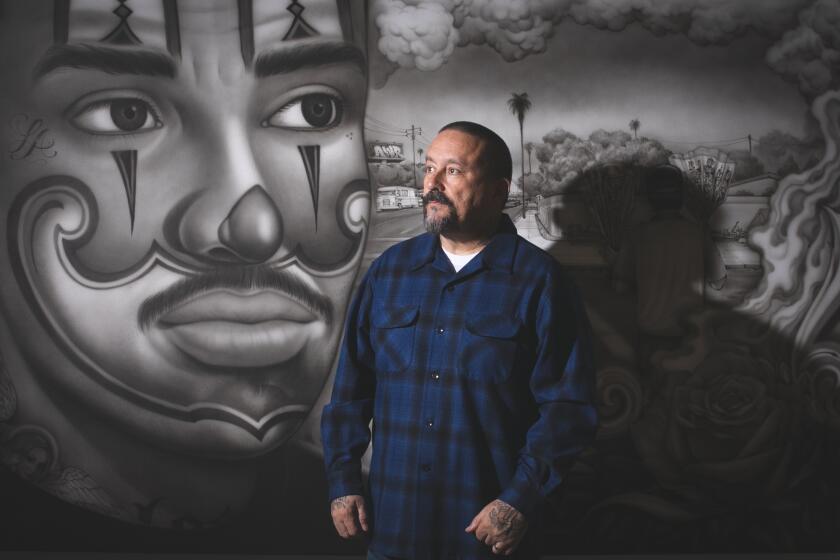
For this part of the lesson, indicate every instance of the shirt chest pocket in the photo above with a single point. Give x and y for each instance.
(489, 347)
(393, 337)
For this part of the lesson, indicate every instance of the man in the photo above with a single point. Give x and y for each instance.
(184, 203)
(469, 350)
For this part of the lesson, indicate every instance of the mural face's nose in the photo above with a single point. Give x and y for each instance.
(253, 230)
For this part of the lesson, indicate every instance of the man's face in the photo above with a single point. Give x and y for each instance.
(458, 197)
(185, 205)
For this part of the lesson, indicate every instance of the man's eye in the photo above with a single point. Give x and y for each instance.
(117, 116)
(315, 110)
(453, 171)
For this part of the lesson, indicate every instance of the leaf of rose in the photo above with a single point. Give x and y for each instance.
(650, 504)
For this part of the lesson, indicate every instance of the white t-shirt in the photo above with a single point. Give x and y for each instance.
(460, 261)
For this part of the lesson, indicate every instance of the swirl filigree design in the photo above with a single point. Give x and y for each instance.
(53, 217)
(819, 377)
(620, 400)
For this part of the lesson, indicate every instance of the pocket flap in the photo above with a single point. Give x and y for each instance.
(393, 317)
(494, 325)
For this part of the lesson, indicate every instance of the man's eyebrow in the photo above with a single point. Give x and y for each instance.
(446, 162)
(285, 60)
(106, 59)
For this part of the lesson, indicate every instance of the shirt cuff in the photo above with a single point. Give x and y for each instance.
(345, 482)
(522, 495)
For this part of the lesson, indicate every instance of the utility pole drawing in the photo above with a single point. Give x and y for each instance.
(412, 133)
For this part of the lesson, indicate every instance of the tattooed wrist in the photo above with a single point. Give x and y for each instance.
(340, 503)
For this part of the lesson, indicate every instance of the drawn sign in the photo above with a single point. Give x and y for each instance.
(385, 152)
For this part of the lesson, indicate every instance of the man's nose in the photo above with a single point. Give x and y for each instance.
(233, 220)
(432, 180)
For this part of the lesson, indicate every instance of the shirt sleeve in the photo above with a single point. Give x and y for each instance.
(562, 383)
(345, 421)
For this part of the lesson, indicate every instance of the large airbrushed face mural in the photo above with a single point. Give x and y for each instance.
(184, 204)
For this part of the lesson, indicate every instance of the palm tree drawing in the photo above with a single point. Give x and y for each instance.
(529, 147)
(519, 104)
(634, 126)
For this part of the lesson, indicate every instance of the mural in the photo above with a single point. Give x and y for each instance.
(190, 189)
(185, 198)
(711, 286)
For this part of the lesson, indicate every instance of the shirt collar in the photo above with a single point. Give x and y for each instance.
(499, 253)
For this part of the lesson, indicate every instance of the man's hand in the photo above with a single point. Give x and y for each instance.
(349, 516)
(499, 526)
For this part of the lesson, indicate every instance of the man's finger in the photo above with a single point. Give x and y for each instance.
(472, 526)
(351, 523)
(363, 520)
(339, 526)
(347, 526)
(480, 533)
(347, 516)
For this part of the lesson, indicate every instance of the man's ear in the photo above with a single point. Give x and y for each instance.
(504, 189)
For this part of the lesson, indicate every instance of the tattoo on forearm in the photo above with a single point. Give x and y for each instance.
(505, 518)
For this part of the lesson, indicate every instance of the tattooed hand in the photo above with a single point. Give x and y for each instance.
(499, 526)
(349, 516)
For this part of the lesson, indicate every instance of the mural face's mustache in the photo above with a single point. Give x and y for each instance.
(242, 278)
(435, 195)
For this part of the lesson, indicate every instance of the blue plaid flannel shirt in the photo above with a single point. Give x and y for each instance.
(480, 385)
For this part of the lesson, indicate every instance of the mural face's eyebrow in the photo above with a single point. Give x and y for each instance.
(285, 60)
(106, 59)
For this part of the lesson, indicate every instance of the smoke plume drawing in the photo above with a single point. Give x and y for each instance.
(423, 34)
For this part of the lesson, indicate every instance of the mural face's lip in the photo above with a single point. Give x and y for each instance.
(238, 345)
(238, 307)
(240, 329)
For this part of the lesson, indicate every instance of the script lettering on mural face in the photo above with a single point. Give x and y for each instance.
(33, 139)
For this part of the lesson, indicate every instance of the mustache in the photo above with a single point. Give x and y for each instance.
(243, 278)
(435, 195)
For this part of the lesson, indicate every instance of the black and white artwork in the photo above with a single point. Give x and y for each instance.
(190, 190)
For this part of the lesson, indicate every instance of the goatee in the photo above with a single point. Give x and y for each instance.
(435, 224)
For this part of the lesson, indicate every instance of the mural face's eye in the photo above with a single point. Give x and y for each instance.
(117, 116)
(311, 111)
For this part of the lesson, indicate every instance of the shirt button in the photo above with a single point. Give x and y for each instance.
(429, 423)
(440, 330)
(426, 467)
(435, 375)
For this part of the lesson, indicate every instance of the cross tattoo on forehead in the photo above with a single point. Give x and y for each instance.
(299, 28)
(122, 33)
